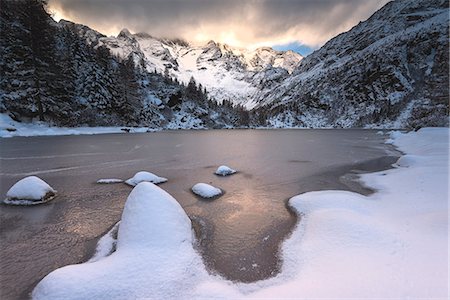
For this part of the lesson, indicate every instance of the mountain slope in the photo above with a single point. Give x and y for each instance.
(62, 74)
(389, 71)
(227, 73)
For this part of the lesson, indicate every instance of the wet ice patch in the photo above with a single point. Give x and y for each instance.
(109, 180)
(224, 171)
(144, 176)
(29, 191)
(205, 190)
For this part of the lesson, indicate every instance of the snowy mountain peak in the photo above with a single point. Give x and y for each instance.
(228, 73)
(125, 33)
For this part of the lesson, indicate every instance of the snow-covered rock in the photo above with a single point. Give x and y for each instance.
(29, 191)
(224, 171)
(109, 180)
(144, 176)
(154, 240)
(205, 190)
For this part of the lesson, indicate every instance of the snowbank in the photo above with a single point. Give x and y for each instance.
(144, 176)
(392, 244)
(224, 171)
(109, 180)
(29, 191)
(205, 190)
(10, 128)
(154, 257)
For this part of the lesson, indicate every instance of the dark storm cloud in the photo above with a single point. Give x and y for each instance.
(244, 22)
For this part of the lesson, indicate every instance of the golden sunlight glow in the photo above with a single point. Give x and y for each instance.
(56, 14)
(247, 28)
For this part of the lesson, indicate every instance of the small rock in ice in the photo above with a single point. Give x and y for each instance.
(109, 180)
(205, 190)
(224, 171)
(145, 177)
(29, 191)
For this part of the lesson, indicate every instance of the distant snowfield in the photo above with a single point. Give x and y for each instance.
(392, 244)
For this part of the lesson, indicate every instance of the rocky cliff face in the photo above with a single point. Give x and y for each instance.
(389, 71)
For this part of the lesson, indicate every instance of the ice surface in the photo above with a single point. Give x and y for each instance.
(28, 191)
(109, 180)
(224, 171)
(205, 190)
(391, 244)
(145, 176)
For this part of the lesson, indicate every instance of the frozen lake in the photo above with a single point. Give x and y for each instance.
(240, 232)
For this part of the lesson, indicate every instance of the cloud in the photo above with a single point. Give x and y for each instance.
(247, 23)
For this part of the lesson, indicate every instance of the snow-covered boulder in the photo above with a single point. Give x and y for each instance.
(224, 171)
(154, 257)
(109, 180)
(205, 190)
(144, 176)
(29, 191)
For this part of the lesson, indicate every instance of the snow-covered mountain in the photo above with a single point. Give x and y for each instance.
(227, 73)
(389, 71)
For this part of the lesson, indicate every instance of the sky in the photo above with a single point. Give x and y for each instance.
(299, 25)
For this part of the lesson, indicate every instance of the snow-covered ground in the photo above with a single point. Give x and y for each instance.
(10, 128)
(392, 244)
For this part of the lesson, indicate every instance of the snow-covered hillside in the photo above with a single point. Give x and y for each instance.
(227, 73)
(389, 71)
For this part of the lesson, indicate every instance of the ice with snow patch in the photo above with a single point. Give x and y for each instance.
(109, 180)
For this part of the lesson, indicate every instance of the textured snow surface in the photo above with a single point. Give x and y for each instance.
(29, 190)
(205, 190)
(145, 176)
(224, 171)
(392, 244)
(109, 180)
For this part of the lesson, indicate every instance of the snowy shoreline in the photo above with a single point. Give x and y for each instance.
(10, 128)
(391, 244)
